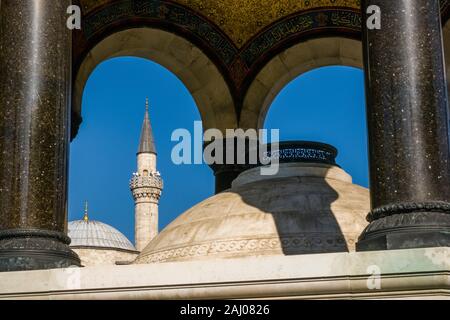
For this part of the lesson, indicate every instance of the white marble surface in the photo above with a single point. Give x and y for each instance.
(103, 257)
(412, 273)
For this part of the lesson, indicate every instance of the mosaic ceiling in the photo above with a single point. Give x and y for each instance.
(241, 20)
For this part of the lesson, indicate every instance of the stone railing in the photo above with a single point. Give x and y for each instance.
(301, 151)
(146, 187)
(151, 181)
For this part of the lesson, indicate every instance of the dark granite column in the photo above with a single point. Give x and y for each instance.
(408, 127)
(35, 77)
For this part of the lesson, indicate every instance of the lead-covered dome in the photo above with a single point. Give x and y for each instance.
(88, 233)
(309, 206)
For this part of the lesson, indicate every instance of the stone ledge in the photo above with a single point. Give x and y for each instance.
(413, 273)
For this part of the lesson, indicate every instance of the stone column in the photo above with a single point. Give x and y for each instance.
(407, 110)
(35, 77)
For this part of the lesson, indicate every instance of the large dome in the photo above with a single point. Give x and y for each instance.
(306, 208)
(95, 234)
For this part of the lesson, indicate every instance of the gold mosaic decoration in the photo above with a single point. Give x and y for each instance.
(242, 19)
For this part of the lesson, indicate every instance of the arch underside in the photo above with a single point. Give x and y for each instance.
(233, 84)
(187, 62)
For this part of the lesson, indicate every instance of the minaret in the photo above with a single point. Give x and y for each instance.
(146, 187)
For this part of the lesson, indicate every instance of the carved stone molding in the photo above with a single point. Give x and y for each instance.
(401, 208)
(151, 181)
(288, 245)
(149, 187)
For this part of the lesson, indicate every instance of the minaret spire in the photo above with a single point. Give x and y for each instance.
(146, 186)
(147, 142)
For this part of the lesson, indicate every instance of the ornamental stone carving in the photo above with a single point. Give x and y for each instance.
(146, 187)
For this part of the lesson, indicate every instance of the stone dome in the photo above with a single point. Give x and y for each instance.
(96, 234)
(309, 207)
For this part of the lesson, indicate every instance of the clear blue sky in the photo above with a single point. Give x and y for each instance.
(325, 105)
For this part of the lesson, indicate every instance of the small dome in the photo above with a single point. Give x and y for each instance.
(309, 206)
(87, 233)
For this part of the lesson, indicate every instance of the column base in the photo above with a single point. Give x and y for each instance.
(23, 249)
(407, 230)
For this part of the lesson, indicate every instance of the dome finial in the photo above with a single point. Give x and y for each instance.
(86, 214)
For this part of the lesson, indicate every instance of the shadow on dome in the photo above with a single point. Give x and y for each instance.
(309, 206)
(302, 214)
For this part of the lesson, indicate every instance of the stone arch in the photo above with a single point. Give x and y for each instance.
(191, 65)
(300, 58)
(291, 63)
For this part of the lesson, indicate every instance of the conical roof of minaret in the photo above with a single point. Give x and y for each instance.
(147, 142)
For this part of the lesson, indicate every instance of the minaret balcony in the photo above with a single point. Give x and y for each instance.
(151, 181)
